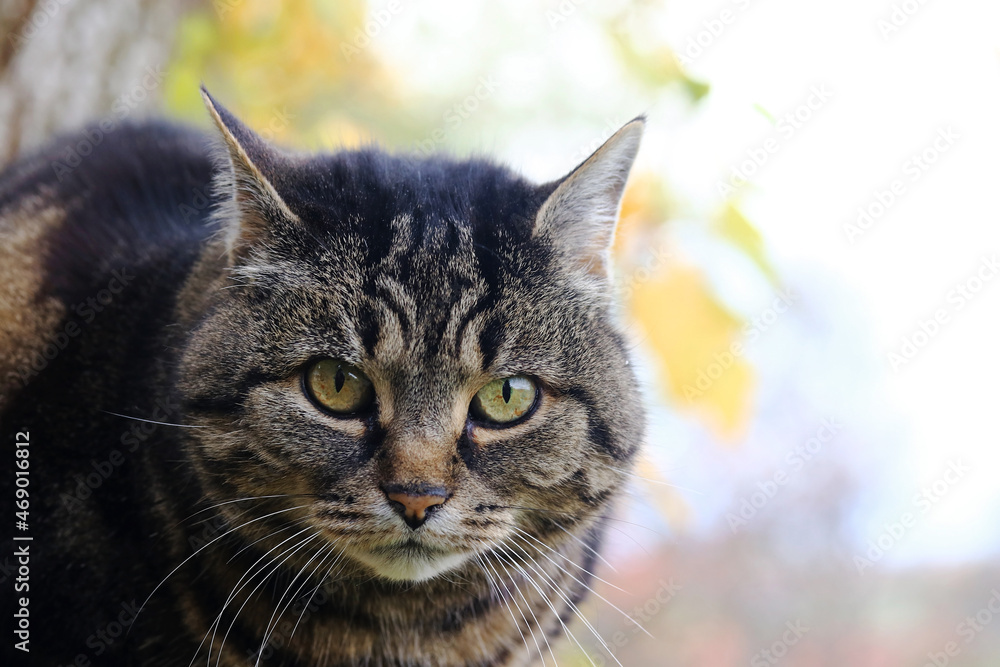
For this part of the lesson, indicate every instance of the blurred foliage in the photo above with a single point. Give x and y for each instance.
(282, 66)
(692, 334)
(294, 71)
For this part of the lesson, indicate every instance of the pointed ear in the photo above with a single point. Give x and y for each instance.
(579, 217)
(257, 206)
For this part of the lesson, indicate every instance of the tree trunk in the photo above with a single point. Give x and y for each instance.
(66, 62)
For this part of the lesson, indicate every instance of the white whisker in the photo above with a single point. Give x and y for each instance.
(531, 611)
(277, 566)
(569, 603)
(202, 548)
(237, 588)
(150, 421)
(517, 626)
(502, 552)
(276, 616)
(599, 596)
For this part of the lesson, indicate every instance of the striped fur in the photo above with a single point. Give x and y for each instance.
(246, 511)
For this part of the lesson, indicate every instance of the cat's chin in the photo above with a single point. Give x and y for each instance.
(408, 562)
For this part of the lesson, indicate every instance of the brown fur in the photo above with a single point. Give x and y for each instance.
(249, 509)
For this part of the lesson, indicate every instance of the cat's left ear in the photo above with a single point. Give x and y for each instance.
(580, 215)
(253, 165)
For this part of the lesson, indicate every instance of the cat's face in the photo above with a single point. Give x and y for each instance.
(419, 352)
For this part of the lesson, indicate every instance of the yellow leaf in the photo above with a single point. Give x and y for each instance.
(696, 344)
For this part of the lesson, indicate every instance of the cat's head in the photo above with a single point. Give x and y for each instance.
(419, 356)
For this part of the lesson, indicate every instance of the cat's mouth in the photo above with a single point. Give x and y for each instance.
(407, 560)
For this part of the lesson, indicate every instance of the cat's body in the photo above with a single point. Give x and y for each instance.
(134, 289)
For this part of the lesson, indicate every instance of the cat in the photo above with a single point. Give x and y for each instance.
(284, 409)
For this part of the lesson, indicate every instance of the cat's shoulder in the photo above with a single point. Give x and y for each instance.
(88, 202)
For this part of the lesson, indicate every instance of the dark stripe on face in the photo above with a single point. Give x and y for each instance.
(369, 332)
(389, 300)
(231, 401)
(342, 514)
(371, 443)
(598, 430)
(478, 307)
(491, 337)
(467, 450)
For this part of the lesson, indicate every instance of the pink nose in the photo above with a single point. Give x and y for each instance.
(416, 506)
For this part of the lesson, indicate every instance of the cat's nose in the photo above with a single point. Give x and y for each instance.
(415, 502)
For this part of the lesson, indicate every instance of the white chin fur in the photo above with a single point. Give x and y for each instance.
(405, 567)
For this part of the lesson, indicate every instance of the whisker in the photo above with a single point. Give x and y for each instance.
(506, 603)
(150, 421)
(237, 588)
(323, 579)
(541, 654)
(276, 616)
(570, 574)
(651, 480)
(570, 604)
(567, 559)
(241, 500)
(605, 518)
(586, 546)
(284, 559)
(202, 548)
(294, 522)
(501, 553)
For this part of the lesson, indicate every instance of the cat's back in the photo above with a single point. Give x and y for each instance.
(133, 198)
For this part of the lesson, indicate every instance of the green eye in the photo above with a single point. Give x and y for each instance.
(505, 400)
(339, 387)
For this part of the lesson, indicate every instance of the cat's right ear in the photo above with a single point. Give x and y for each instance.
(580, 215)
(253, 165)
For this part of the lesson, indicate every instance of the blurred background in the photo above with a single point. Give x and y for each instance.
(807, 260)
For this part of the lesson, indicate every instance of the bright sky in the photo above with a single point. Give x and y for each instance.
(891, 98)
(870, 98)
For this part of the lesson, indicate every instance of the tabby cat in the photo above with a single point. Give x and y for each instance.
(284, 409)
